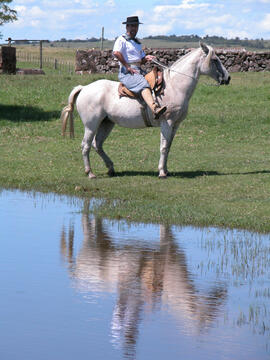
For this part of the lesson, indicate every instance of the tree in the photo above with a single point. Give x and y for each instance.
(6, 13)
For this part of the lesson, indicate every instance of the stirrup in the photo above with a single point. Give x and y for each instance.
(159, 111)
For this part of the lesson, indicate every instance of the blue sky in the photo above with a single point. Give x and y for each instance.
(71, 19)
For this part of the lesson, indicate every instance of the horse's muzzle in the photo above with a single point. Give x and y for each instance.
(225, 81)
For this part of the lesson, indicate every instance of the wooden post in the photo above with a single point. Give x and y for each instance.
(40, 54)
(8, 59)
(55, 64)
(102, 37)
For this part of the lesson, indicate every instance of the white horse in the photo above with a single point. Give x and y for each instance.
(100, 106)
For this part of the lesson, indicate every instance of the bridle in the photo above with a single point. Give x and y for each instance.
(178, 72)
(170, 69)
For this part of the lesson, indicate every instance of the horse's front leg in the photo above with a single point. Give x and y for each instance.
(167, 132)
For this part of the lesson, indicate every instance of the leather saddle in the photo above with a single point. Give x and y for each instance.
(155, 80)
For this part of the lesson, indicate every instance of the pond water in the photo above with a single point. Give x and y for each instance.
(77, 286)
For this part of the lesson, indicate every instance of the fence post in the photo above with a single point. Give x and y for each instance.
(8, 57)
(40, 54)
(55, 64)
(102, 37)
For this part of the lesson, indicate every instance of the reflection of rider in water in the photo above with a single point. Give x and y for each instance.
(130, 302)
(142, 277)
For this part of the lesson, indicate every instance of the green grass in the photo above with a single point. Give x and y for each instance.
(219, 160)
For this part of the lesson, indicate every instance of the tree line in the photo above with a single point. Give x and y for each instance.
(211, 40)
(215, 40)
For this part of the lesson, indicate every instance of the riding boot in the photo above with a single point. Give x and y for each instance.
(148, 98)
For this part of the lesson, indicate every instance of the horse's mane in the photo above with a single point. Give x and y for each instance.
(182, 58)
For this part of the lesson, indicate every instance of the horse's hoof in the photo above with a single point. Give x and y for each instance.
(111, 172)
(91, 176)
(162, 177)
(86, 171)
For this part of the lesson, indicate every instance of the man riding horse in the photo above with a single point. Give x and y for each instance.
(100, 107)
(128, 51)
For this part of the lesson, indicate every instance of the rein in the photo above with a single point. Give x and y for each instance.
(168, 68)
(178, 72)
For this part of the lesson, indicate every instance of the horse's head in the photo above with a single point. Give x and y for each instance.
(212, 66)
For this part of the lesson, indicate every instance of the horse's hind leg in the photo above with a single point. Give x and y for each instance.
(103, 132)
(86, 146)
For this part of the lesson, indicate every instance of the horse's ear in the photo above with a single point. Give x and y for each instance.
(204, 47)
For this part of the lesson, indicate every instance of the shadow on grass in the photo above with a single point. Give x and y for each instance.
(20, 113)
(189, 174)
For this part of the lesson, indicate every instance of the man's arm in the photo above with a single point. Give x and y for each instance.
(120, 57)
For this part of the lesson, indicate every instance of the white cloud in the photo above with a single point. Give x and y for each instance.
(139, 13)
(20, 9)
(173, 10)
(82, 12)
(86, 3)
(60, 4)
(25, 2)
(187, 15)
(35, 23)
(258, 1)
(36, 11)
(110, 3)
(230, 20)
(246, 11)
(265, 23)
(29, 13)
(158, 29)
(229, 33)
(198, 22)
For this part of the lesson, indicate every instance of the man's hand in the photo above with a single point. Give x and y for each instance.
(120, 57)
(150, 57)
(131, 70)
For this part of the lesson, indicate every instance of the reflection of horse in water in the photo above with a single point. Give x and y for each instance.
(143, 275)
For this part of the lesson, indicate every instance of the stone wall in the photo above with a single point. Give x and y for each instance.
(96, 61)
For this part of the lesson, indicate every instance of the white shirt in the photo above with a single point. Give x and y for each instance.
(131, 51)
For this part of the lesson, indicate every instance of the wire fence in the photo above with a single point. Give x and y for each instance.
(48, 63)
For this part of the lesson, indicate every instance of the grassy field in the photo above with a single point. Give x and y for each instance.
(220, 158)
(60, 53)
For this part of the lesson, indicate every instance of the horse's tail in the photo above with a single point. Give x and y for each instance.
(67, 112)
